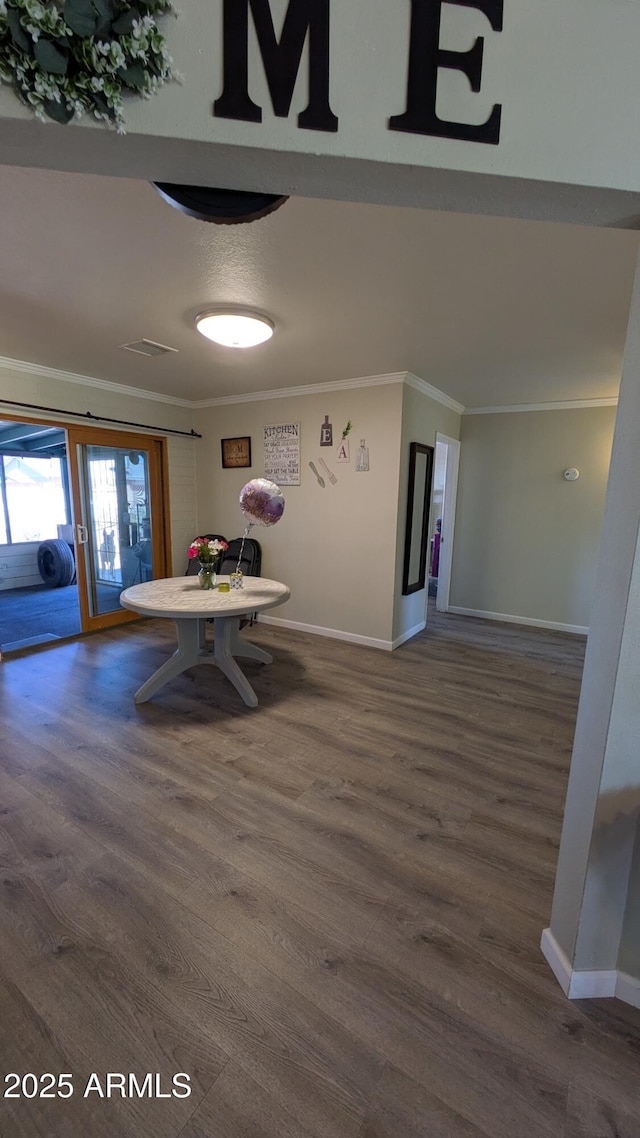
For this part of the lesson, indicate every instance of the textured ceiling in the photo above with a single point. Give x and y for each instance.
(490, 311)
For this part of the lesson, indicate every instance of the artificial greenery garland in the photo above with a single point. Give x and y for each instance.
(67, 57)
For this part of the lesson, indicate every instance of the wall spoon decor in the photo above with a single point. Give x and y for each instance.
(315, 470)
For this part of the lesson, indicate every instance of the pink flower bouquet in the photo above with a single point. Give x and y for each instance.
(207, 551)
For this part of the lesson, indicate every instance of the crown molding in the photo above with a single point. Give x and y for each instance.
(90, 381)
(425, 388)
(221, 401)
(39, 370)
(338, 385)
(560, 405)
(308, 389)
(227, 400)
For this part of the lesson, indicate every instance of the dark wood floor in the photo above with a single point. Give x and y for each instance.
(326, 911)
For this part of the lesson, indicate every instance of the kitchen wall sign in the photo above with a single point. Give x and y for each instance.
(282, 453)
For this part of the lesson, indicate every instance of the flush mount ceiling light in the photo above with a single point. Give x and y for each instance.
(234, 328)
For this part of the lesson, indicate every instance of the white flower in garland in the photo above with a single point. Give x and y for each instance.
(67, 57)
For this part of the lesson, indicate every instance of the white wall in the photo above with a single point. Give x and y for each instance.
(52, 390)
(560, 72)
(629, 951)
(526, 541)
(334, 547)
(603, 930)
(603, 796)
(19, 565)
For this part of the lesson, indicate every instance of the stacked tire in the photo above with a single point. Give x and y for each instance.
(56, 563)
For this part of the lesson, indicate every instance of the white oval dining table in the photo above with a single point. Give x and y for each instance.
(181, 600)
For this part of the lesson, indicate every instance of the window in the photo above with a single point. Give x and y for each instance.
(33, 498)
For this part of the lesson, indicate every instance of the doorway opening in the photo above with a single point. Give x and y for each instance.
(38, 594)
(443, 512)
(82, 516)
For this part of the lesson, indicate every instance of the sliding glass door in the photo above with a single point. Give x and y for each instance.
(118, 485)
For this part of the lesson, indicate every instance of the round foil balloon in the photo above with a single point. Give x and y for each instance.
(262, 502)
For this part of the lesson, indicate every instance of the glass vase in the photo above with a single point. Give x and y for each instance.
(207, 575)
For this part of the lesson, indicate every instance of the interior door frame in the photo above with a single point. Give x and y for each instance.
(448, 519)
(156, 447)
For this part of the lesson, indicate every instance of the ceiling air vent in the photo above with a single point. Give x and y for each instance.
(147, 348)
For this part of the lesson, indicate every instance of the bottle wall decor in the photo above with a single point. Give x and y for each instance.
(362, 457)
(326, 433)
(343, 454)
(343, 451)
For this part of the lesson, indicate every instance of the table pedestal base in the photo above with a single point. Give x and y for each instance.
(193, 649)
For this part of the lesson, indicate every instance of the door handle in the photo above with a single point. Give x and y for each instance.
(82, 534)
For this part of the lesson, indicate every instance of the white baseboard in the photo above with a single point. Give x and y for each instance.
(390, 645)
(556, 960)
(581, 984)
(507, 618)
(332, 633)
(628, 989)
(409, 633)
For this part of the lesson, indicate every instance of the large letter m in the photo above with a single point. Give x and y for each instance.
(281, 61)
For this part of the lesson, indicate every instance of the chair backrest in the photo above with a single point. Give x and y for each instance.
(251, 561)
(192, 562)
(144, 552)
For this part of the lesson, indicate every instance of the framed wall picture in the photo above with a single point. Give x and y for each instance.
(236, 452)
